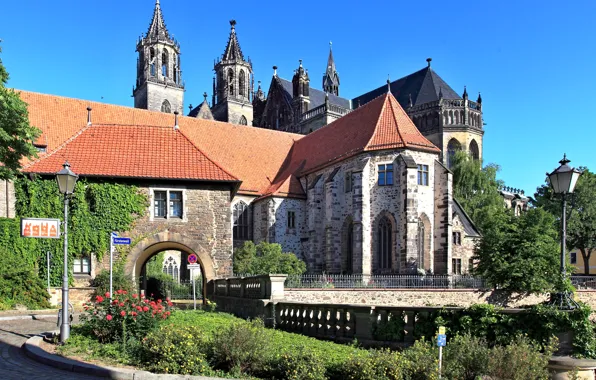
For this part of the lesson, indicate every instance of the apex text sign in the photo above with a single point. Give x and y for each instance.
(40, 228)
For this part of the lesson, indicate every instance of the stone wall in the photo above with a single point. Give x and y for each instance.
(76, 296)
(415, 297)
(7, 199)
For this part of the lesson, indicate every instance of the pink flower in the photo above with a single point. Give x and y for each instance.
(123, 313)
(99, 299)
(170, 303)
(121, 304)
(107, 294)
(134, 296)
(109, 317)
(145, 308)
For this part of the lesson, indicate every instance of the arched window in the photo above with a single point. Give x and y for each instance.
(165, 64)
(421, 244)
(242, 230)
(384, 242)
(452, 147)
(424, 243)
(170, 267)
(241, 83)
(166, 107)
(230, 82)
(152, 62)
(474, 151)
(243, 121)
(347, 236)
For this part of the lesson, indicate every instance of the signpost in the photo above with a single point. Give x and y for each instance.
(40, 228)
(441, 342)
(115, 240)
(192, 265)
(48, 257)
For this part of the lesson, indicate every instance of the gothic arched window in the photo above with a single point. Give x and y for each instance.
(165, 64)
(474, 151)
(242, 230)
(452, 147)
(152, 62)
(241, 83)
(166, 107)
(243, 120)
(231, 82)
(170, 267)
(384, 238)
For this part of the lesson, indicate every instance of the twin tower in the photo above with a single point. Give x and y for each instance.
(160, 87)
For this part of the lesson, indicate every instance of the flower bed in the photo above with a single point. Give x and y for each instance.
(218, 344)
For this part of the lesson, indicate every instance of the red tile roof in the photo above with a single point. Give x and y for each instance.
(124, 141)
(132, 151)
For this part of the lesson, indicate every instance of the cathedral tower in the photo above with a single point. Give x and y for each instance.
(331, 77)
(233, 84)
(159, 84)
(300, 93)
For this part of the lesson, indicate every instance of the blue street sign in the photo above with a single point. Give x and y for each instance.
(441, 340)
(121, 240)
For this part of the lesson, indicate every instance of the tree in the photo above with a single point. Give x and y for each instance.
(16, 134)
(515, 254)
(266, 258)
(581, 214)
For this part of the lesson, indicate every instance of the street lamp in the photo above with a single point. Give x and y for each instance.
(66, 183)
(562, 180)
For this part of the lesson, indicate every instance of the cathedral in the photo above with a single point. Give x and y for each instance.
(450, 121)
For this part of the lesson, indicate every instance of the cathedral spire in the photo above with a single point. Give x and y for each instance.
(233, 51)
(158, 28)
(331, 77)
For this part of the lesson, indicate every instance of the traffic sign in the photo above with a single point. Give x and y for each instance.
(121, 240)
(40, 228)
(441, 340)
(193, 266)
(192, 258)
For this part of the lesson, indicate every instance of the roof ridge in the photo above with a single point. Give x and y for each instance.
(59, 148)
(390, 97)
(374, 134)
(205, 155)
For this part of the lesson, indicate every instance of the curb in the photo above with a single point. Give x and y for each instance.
(28, 316)
(35, 352)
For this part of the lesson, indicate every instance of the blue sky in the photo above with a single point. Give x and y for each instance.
(533, 61)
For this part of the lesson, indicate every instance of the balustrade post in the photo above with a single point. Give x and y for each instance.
(227, 291)
(362, 323)
(409, 326)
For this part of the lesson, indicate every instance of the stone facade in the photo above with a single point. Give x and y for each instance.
(7, 199)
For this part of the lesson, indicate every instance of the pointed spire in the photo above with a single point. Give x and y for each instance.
(330, 60)
(331, 77)
(465, 96)
(479, 101)
(440, 93)
(388, 84)
(158, 28)
(205, 97)
(233, 51)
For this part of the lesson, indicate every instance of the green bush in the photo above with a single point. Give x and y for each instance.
(158, 285)
(266, 258)
(375, 364)
(300, 364)
(101, 282)
(520, 360)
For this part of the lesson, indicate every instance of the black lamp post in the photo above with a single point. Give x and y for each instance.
(66, 182)
(563, 180)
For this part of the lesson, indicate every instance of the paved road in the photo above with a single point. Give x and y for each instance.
(14, 364)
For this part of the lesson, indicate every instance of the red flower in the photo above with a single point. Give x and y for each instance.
(109, 317)
(124, 292)
(168, 299)
(164, 316)
(121, 304)
(99, 299)
(123, 313)
(145, 308)
(134, 296)
(134, 314)
(107, 294)
(119, 291)
(170, 303)
(158, 301)
(139, 308)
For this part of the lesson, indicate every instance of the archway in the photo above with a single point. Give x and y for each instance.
(165, 241)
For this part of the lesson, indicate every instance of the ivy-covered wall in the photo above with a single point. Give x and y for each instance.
(96, 209)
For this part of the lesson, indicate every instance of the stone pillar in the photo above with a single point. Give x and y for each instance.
(274, 286)
(362, 321)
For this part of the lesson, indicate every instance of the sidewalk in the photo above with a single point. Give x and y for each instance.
(12, 315)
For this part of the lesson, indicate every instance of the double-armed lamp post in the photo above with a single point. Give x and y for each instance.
(563, 180)
(66, 183)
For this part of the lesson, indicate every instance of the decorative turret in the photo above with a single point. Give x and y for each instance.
(300, 92)
(258, 105)
(465, 95)
(232, 100)
(159, 85)
(331, 77)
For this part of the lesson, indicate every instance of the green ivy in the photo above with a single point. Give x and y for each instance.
(96, 208)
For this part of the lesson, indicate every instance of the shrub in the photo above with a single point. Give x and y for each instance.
(22, 287)
(127, 315)
(390, 330)
(520, 360)
(266, 258)
(157, 285)
(374, 365)
(466, 358)
(240, 347)
(299, 364)
(175, 349)
(101, 282)
(421, 361)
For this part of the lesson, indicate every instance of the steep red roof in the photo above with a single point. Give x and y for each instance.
(132, 151)
(380, 124)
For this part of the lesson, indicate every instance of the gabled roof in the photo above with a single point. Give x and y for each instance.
(317, 97)
(202, 111)
(133, 151)
(424, 86)
(233, 51)
(253, 155)
(158, 28)
(379, 125)
(469, 227)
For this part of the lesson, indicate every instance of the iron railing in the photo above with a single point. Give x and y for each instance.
(584, 282)
(183, 290)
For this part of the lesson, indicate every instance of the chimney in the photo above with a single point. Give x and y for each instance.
(274, 71)
(175, 119)
(88, 115)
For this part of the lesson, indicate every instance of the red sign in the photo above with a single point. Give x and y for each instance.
(40, 228)
(192, 258)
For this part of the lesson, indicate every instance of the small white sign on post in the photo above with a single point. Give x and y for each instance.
(192, 268)
(40, 228)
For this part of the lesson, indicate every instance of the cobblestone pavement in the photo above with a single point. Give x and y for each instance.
(14, 364)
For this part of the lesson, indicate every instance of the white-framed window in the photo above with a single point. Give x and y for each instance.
(423, 175)
(168, 204)
(385, 175)
(82, 265)
(348, 182)
(291, 219)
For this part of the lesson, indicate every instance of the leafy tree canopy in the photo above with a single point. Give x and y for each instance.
(266, 258)
(16, 134)
(581, 214)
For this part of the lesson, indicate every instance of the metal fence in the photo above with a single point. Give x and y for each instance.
(584, 282)
(339, 281)
(183, 290)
